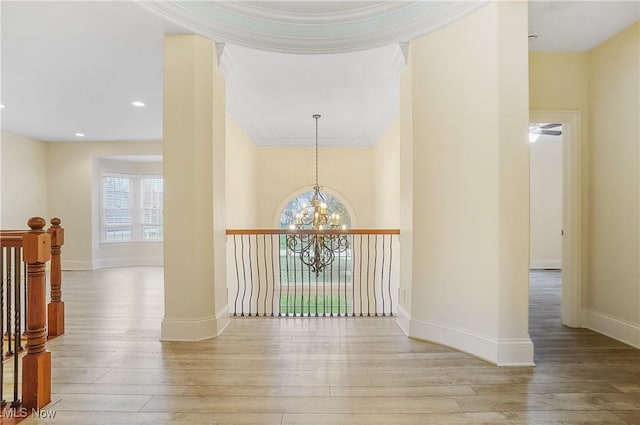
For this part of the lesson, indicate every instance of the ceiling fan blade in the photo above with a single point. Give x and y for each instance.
(548, 126)
(551, 132)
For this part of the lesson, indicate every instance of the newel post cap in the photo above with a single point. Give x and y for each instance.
(56, 232)
(36, 223)
(36, 243)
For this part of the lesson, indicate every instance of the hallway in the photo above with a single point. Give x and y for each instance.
(110, 368)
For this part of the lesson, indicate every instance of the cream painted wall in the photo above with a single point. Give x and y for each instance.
(23, 176)
(470, 185)
(73, 194)
(559, 81)
(614, 175)
(282, 172)
(386, 177)
(132, 165)
(455, 179)
(546, 202)
(241, 179)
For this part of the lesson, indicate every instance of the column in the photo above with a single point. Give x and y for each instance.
(193, 168)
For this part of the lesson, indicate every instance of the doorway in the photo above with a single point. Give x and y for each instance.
(568, 188)
(545, 172)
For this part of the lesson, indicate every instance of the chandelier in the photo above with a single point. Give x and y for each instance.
(318, 248)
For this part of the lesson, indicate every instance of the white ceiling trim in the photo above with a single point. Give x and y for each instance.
(399, 61)
(225, 60)
(315, 12)
(317, 32)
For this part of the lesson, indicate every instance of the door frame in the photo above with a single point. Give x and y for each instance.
(572, 288)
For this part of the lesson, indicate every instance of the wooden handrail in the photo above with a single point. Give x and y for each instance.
(11, 238)
(11, 241)
(9, 233)
(55, 309)
(313, 232)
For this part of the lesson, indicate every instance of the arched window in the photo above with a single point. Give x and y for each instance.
(297, 275)
(300, 201)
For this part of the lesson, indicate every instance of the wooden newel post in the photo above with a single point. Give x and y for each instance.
(55, 308)
(36, 364)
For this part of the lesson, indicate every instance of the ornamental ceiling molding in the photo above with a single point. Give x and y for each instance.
(312, 27)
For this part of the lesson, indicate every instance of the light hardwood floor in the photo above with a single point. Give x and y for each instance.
(110, 368)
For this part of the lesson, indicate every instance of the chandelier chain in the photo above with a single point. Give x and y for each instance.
(316, 116)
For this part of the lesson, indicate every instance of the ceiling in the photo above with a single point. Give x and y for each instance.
(75, 67)
(578, 25)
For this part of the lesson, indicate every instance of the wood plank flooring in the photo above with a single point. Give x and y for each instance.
(111, 368)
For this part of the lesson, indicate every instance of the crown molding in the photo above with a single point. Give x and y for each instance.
(220, 48)
(313, 27)
(225, 60)
(399, 60)
(316, 12)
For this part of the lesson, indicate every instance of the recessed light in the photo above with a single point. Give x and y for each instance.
(138, 104)
(1, 106)
(80, 134)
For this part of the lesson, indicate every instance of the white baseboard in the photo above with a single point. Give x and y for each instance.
(501, 352)
(104, 263)
(191, 330)
(222, 320)
(545, 264)
(618, 329)
(515, 352)
(403, 320)
(76, 265)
